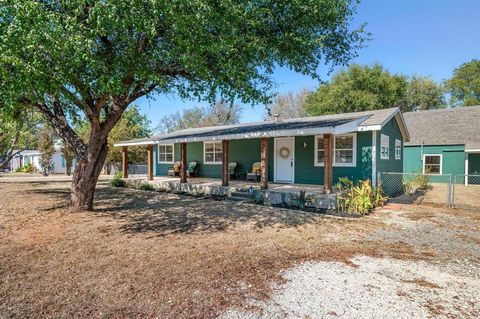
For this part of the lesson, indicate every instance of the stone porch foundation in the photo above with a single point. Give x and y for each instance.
(269, 197)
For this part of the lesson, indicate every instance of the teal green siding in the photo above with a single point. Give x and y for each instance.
(306, 172)
(162, 169)
(244, 152)
(453, 159)
(474, 164)
(391, 164)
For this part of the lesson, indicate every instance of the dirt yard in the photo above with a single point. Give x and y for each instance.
(145, 254)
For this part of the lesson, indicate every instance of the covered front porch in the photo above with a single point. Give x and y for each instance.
(275, 169)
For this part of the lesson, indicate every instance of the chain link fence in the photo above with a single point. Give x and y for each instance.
(460, 191)
(466, 192)
(416, 188)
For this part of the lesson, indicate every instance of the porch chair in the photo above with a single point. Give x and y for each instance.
(192, 169)
(232, 167)
(175, 169)
(254, 175)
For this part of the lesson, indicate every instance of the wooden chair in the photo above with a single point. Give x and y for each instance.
(232, 168)
(175, 169)
(254, 175)
(192, 169)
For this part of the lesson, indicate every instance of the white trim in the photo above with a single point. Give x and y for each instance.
(382, 136)
(399, 157)
(473, 151)
(441, 163)
(138, 143)
(374, 159)
(275, 159)
(400, 121)
(334, 163)
(466, 169)
(209, 162)
(173, 154)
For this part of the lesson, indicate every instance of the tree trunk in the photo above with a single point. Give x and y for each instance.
(86, 175)
(10, 153)
(108, 168)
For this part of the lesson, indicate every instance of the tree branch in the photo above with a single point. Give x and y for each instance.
(59, 122)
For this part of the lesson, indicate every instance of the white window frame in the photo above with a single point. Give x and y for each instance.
(158, 154)
(384, 138)
(215, 162)
(354, 151)
(398, 149)
(441, 163)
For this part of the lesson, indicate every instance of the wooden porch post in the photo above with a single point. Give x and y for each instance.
(328, 163)
(264, 163)
(150, 162)
(225, 176)
(124, 161)
(183, 171)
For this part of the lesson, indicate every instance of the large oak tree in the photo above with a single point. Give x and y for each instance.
(98, 56)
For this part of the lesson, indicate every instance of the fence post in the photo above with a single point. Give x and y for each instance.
(450, 191)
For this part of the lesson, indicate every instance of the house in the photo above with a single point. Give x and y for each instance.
(33, 157)
(444, 142)
(311, 150)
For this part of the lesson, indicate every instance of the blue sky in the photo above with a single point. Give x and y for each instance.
(426, 37)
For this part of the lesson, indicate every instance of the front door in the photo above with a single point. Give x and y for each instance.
(284, 159)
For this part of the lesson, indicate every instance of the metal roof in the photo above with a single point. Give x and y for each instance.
(450, 126)
(334, 124)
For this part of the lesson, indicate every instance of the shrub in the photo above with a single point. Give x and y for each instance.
(147, 187)
(359, 198)
(28, 168)
(302, 200)
(117, 180)
(417, 181)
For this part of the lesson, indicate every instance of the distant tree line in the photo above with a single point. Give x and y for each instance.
(371, 87)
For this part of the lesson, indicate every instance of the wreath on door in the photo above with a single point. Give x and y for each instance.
(284, 152)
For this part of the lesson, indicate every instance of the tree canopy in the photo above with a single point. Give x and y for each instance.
(288, 105)
(365, 87)
(464, 86)
(96, 57)
(220, 113)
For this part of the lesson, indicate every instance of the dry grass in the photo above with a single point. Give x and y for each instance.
(146, 254)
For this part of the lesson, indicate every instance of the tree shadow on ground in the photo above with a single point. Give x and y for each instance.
(165, 213)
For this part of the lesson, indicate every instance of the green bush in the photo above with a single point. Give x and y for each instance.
(360, 198)
(415, 182)
(118, 182)
(147, 187)
(118, 175)
(28, 168)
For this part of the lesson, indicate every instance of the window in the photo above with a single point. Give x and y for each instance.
(213, 152)
(165, 154)
(63, 161)
(385, 147)
(398, 149)
(344, 147)
(432, 164)
(343, 150)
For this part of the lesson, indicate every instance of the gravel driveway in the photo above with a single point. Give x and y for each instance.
(445, 286)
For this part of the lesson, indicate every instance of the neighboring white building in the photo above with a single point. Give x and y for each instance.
(33, 156)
